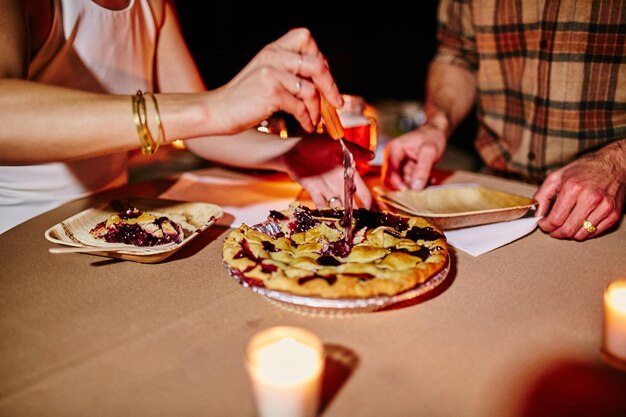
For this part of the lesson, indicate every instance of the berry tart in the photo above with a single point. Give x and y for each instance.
(303, 251)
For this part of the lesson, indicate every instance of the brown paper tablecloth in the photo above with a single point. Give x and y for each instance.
(515, 332)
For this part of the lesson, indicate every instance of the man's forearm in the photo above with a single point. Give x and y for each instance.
(615, 156)
(450, 95)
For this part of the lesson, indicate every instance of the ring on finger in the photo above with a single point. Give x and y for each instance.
(332, 200)
(589, 227)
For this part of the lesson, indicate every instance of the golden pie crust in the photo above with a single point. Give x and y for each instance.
(302, 251)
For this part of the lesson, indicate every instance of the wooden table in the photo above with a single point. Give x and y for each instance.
(514, 332)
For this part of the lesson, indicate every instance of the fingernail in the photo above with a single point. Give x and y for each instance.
(417, 185)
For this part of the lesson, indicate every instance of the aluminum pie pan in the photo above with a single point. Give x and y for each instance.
(319, 306)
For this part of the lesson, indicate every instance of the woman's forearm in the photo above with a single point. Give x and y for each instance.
(42, 123)
(249, 149)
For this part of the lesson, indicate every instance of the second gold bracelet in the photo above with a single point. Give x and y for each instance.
(146, 141)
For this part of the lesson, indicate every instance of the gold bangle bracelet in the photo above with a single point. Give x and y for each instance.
(157, 116)
(140, 117)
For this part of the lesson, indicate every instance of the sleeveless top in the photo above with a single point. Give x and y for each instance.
(94, 49)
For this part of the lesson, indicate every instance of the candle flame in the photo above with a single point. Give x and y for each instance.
(616, 297)
(287, 362)
(178, 144)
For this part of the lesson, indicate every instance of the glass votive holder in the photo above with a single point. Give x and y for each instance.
(614, 324)
(285, 366)
(360, 125)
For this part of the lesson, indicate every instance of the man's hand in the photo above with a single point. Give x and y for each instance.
(591, 188)
(409, 158)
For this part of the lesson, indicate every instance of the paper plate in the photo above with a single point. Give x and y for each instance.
(456, 206)
(192, 216)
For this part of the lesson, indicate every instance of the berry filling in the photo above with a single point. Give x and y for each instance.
(138, 228)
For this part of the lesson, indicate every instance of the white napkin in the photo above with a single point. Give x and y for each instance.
(478, 240)
(244, 198)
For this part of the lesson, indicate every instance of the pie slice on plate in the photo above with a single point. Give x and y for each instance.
(151, 229)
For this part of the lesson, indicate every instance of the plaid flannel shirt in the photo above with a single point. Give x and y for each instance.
(551, 77)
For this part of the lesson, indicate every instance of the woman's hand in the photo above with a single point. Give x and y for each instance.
(286, 75)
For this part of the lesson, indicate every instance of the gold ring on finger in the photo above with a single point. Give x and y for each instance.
(588, 226)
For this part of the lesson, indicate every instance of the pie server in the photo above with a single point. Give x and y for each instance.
(335, 131)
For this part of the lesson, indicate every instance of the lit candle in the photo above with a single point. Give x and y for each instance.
(614, 329)
(285, 365)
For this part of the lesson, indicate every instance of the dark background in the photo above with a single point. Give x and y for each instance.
(380, 53)
(377, 52)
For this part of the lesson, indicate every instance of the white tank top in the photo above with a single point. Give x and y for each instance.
(89, 48)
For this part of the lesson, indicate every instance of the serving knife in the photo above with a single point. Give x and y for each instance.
(335, 130)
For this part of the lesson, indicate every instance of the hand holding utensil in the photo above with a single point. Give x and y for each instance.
(335, 130)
